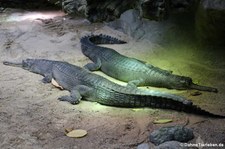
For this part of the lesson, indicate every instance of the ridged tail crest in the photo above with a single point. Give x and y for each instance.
(101, 39)
(137, 99)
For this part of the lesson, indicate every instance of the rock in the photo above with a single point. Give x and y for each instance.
(75, 6)
(176, 133)
(171, 145)
(181, 5)
(129, 23)
(210, 22)
(132, 23)
(109, 10)
(143, 146)
(213, 4)
(154, 10)
(131, 16)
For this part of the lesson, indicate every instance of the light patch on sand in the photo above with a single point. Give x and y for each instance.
(30, 16)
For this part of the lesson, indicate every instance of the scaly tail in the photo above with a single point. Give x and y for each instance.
(197, 110)
(178, 106)
(117, 97)
(102, 39)
(164, 103)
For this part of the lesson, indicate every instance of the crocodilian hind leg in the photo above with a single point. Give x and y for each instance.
(94, 66)
(134, 83)
(47, 78)
(76, 94)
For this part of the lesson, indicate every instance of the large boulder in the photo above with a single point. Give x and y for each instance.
(78, 7)
(108, 10)
(129, 23)
(154, 10)
(210, 22)
(171, 133)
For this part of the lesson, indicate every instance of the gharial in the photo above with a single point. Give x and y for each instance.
(131, 70)
(84, 84)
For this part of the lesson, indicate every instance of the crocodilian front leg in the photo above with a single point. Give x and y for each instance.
(94, 66)
(76, 94)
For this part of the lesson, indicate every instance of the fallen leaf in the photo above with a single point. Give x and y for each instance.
(78, 133)
(197, 93)
(56, 84)
(162, 121)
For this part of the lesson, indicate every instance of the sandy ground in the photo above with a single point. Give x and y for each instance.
(31, 117)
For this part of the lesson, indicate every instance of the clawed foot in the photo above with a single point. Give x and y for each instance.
(69, 99)
(46, 80)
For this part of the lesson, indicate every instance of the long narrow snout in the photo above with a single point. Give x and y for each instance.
(203, 88)
(14, 64)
